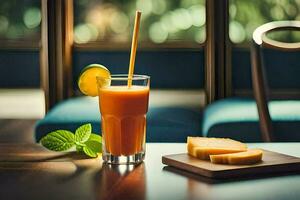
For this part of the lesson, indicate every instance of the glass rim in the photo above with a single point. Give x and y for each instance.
(124, 77)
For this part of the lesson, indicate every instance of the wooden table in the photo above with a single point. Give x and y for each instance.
(27, 171)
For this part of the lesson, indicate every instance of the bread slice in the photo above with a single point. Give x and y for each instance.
(250, 156)
(203, 147)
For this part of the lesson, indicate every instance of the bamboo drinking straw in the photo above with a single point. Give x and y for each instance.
(134, 46)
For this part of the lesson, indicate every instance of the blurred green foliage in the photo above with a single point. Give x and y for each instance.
(20, 19)
(246, 15)
(162, 20)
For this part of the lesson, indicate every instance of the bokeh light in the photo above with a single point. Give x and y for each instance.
(236, 32)
(168, 23)
(119, 22)
(85, 33)
(277, 13)
(162, 20)
(198, 15)
(249, 14)
(145, 6)
(182, 19)
(20, 20)
(200, 36)
(158, 33)
(159, 6)
(3, 24)
(32, 18)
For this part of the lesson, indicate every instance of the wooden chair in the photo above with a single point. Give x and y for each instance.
(259, 77)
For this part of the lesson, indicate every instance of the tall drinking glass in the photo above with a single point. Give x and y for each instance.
(123, 117)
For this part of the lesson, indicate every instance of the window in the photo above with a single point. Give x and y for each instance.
(20, 25)
(172, 31)
(20, 28)
(20, 20)
(246, 15)
(163, 21)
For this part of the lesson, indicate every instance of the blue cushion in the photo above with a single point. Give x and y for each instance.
(238, 118)
(164, 124)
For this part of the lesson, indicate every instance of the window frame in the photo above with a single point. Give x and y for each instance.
(115, 46)
(20, 44)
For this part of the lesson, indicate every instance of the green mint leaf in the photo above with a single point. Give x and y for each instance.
(92, 148)
(59, 140)
(95, 137)
(83, 133)
(90, 153)
(79, 147)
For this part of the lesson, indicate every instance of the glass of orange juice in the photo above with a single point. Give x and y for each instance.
(123, 109)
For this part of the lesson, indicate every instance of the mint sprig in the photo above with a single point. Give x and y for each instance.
(84, 141)
(59, 140)
(91, 148)
(83, 133)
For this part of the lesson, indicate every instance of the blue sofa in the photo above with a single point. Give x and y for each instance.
(237, 118)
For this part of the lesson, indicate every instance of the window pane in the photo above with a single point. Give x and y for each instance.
(162, 20)
(20, 19)
(246, 15)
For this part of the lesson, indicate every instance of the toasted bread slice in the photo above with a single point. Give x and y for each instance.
(203, 147)
(250, 156)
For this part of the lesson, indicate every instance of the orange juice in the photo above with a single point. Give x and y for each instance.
(123, 115)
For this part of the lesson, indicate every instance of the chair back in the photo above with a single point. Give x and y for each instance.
(259, 77)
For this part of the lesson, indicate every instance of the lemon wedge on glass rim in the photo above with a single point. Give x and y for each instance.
(87, 81)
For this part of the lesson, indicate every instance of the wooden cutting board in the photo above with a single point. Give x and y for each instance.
(272, 163)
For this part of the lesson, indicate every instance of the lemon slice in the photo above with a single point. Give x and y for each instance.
(87, 81)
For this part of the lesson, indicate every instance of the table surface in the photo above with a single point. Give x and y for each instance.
(28, 171)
